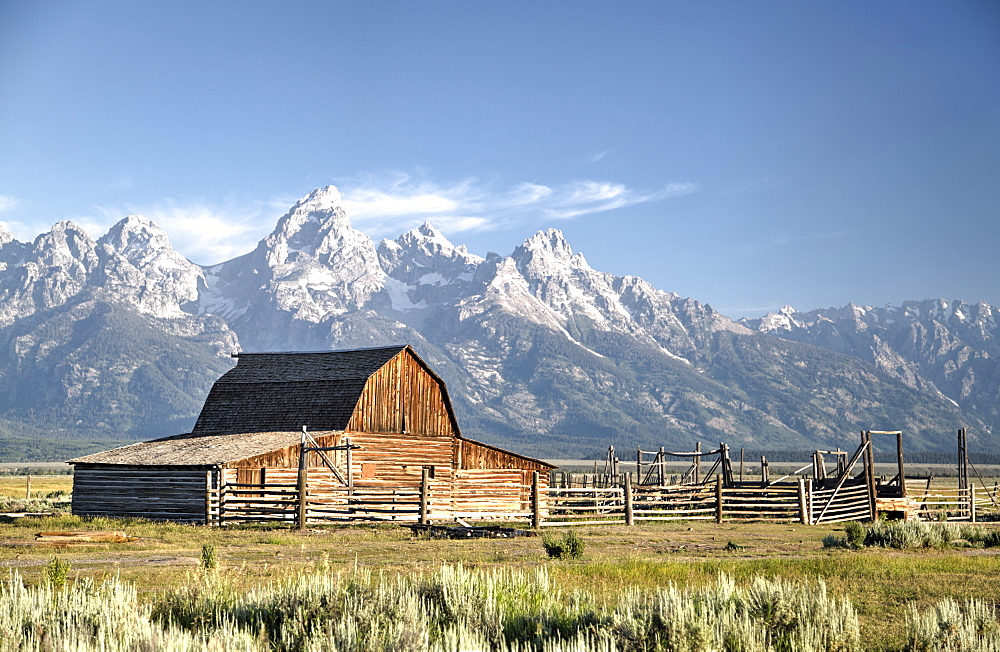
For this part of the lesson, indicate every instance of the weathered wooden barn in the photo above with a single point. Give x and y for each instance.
(369, 433)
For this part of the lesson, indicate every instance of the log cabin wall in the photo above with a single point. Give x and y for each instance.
(403, 396)
(164, 493)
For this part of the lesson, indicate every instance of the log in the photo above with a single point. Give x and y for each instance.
(82, 537)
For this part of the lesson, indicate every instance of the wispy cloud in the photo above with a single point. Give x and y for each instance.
(7, 202)
(204, 231)
(596, 158)
(381, 205)
(391, 203)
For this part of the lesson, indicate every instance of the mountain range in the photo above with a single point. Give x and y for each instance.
(120, 338)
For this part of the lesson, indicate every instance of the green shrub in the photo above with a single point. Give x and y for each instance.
(57, 572)
(209, 558)
(905, 535)
(570, 546)
(854, 535)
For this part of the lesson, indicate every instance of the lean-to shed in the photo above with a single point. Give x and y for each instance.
(382, 416)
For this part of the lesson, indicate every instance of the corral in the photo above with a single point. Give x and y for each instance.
(810, 495)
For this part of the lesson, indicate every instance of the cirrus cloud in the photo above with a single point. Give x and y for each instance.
(381, 205)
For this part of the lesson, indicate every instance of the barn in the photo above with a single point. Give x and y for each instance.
(356, 435)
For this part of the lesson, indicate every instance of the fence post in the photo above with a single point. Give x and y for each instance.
(629, 515)
(972, 502)
(208, 497)
(536, 512)
(803, 506)
(718, 498)
(300, 486)
(425, 490)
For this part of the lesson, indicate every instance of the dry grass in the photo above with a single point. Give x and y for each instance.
(881, 583)
(16, 486)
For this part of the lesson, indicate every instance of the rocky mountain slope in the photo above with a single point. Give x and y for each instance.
(542, 353)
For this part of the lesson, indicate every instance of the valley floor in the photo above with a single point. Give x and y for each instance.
(881, 583)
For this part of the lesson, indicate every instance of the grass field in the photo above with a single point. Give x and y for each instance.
(40, 486)
(881, 583)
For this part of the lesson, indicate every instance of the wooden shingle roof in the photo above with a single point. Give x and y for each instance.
(268, 392)
(189, 450)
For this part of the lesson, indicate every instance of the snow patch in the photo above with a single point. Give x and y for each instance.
(399, 295)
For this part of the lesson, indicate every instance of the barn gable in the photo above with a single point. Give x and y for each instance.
(388, 389)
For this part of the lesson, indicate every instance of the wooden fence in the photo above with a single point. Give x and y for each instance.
(944, 504)
(261, 503)
(787, 501)
(791, 501)
(833, 505)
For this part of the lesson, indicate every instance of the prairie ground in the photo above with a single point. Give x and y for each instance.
(880, 582)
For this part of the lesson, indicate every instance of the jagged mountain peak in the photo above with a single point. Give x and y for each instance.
(551, 240)
(548, 254)
(318, 227)
(320, 200)
(136, 234)
(5, 235)
(65, 239)
(319, 211)
(429, 241)
(425, 235)
(64, 229)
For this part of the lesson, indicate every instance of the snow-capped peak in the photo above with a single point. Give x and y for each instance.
(781, 320)
(545, 251)
(426, 236)
(5, 235)
(320, 200)
(135, 235)
(314, 225)
(65, 241)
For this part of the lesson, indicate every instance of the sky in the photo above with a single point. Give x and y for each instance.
(746, 154)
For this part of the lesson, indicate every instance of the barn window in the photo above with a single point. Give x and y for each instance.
(430, 472)
(367, 470)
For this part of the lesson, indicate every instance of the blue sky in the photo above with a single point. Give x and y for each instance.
(745, 154)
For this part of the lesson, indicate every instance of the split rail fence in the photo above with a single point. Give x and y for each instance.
(788, 501)
(782, 502)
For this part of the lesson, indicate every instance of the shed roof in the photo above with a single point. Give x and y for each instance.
(268, 392)
(192, 450)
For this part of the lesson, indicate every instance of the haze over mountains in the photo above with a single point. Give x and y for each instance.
(121, 338)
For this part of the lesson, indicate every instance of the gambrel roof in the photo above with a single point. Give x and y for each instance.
(260, 406)
(271, 392)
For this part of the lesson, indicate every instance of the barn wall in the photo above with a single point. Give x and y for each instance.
(288, 458)
(157, 493)
(402, 396)
(474, 455)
